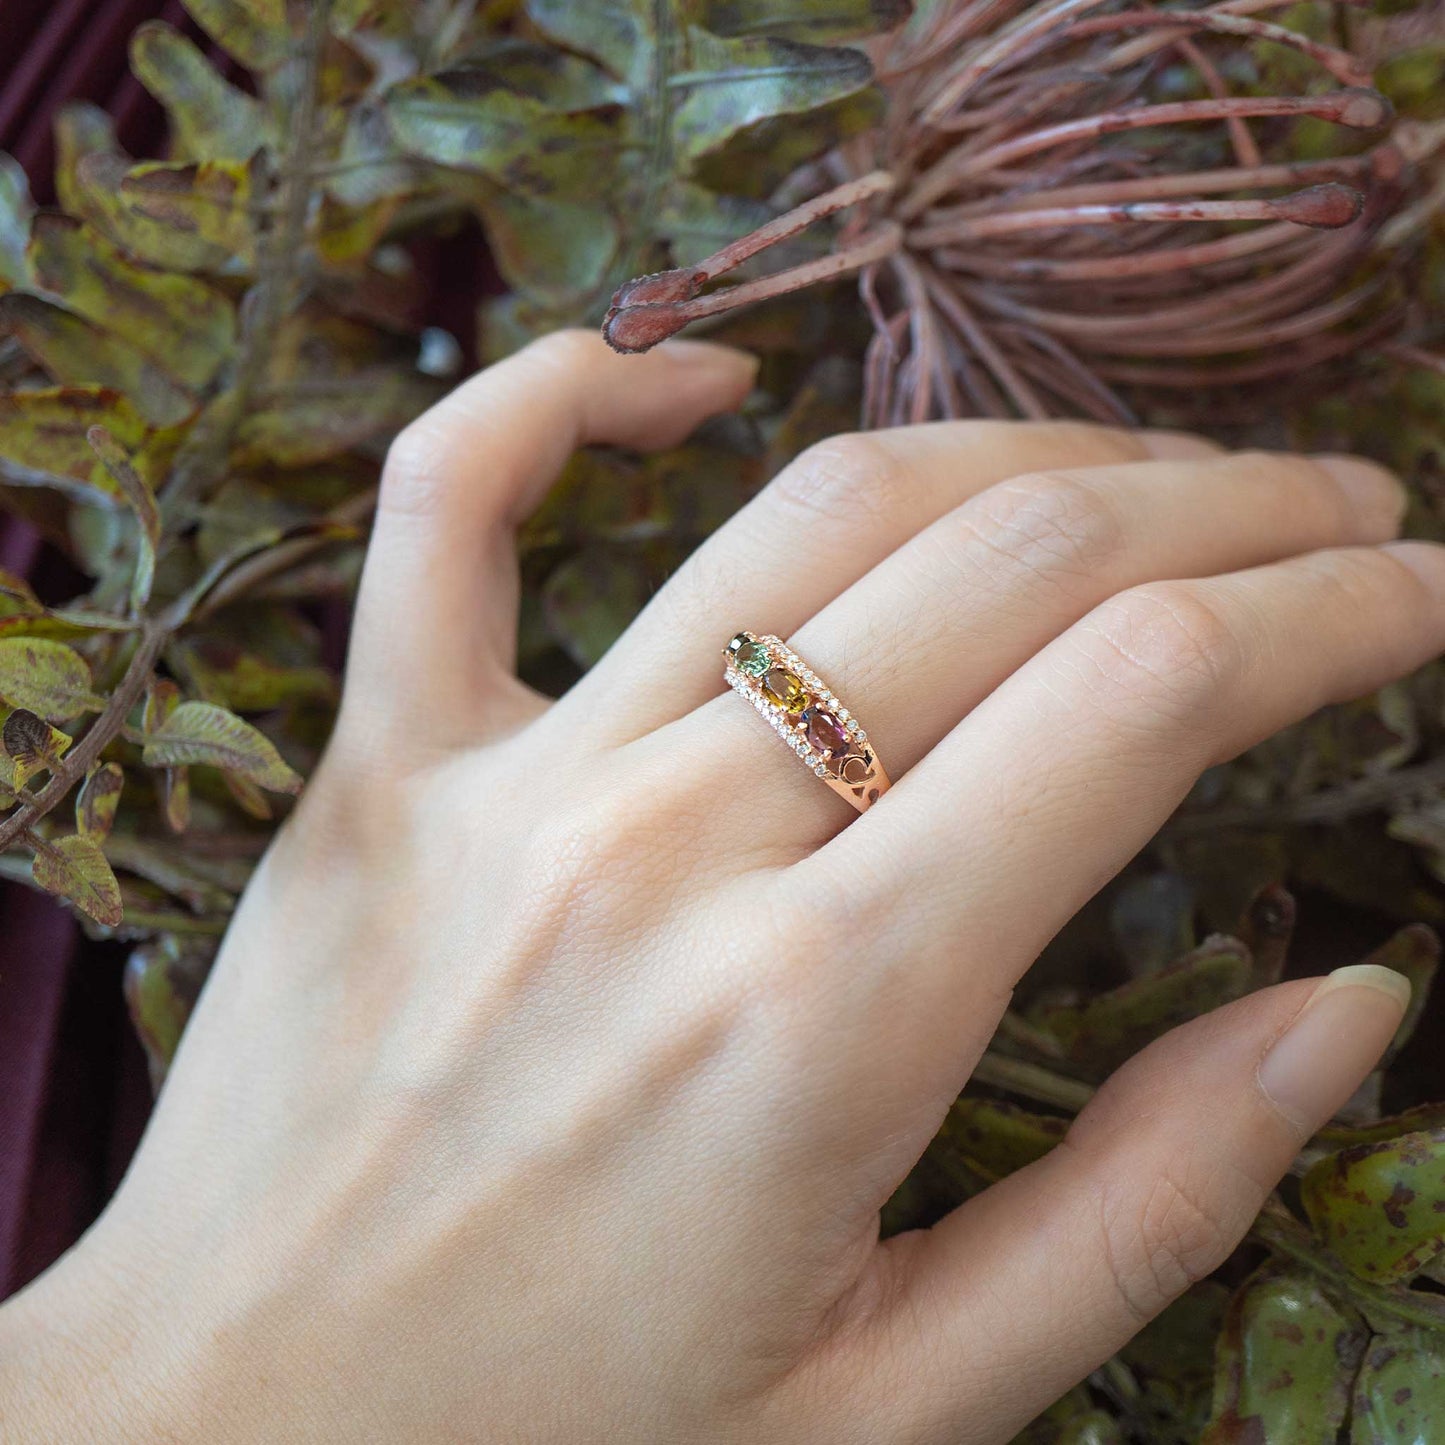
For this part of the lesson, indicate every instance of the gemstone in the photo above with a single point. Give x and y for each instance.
(752, 658)
(783, 689)
(825, 733)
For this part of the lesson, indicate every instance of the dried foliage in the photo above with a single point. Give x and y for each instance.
(203, 357)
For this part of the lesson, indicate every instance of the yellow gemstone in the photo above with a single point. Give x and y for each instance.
(783, 689)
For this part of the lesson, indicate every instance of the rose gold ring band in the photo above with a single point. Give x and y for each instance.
(806, 715)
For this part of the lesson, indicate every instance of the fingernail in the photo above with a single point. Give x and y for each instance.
(1377, 494)
(1179, 446)
(1334, 1041)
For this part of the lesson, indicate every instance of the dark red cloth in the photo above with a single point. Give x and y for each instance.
(73, 1089)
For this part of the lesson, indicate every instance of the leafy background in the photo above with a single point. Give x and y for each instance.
(203, 357)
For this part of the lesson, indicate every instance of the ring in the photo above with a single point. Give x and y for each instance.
(796, 701)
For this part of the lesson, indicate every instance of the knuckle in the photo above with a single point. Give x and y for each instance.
(1159, 1245)
(572, 350)
(1167, 643)
(1053, 525)
(853, 475)
(418, 462)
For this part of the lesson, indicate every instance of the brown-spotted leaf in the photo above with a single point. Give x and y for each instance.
(1285, 1362)
(210, 119)
(192, 217)
(46, 677)
(163, 697)
(16, 210)
(43, 439)
(75, 869)
(1100, 1034)
(1400, 1390)
(76, 352)
(31, 746)
(995, 1137)
(201, 733)
(97, 800)
(162, 981)
(1380, 1208)
(182, 325)
(254, 31)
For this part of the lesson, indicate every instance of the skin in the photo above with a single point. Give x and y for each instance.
(561, 1055)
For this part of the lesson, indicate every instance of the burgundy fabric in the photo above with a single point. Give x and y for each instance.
(73, 1089)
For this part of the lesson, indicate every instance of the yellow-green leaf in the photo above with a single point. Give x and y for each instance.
(43, 438)
(143, 506)
(76, 352)
(254, 31)
(183, 326)
(210, 118)
(75, 869)
(97, 801)
(46, 677)
(1400, 1391)
(31, 745)
(201, 733)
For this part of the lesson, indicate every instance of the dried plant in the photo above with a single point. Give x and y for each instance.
(1069, 198)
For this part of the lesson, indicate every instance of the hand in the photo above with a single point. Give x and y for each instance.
(561, 1055)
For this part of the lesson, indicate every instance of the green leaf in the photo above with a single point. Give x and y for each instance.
(186, 328)
(173, 870)
(1111, 1027)
(46, 677)
(554, 251)
(254, 31)
(162, 981)
(217, 669)
(43, 439)
(1400, 1391)
(97, 800)
(734, 84)
(1284, 1362)
(590, 599)
(820, 21)
(510, 138)
(329, 416)
(1377, 1206)
(619, 33)
(142, 504)
(200, 732)
(210, 118)
(16, 209)
(75, 869)
(75, 352)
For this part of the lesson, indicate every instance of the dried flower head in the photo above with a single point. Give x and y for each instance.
(1067, 201)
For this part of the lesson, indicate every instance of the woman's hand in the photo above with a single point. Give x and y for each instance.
(562, 1054)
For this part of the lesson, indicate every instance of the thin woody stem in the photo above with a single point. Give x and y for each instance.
(1009, 223)
(97, 737)
(1355, 108)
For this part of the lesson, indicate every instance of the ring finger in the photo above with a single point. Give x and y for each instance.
(934, 628)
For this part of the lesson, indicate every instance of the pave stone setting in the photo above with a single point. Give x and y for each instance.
(800, 708)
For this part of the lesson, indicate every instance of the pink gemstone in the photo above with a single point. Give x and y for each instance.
(825, 732)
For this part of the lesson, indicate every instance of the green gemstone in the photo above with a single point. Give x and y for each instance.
(752, 658)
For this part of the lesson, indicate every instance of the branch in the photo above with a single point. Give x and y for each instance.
(97, 737)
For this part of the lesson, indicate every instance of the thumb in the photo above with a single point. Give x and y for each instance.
(1022, 1291)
